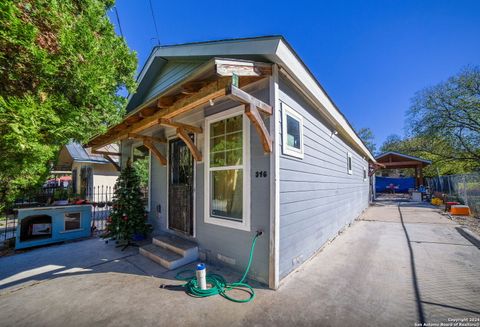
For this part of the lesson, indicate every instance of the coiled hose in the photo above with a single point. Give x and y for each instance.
(219, 285)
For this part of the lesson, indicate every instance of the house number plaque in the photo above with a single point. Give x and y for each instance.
(261, 174)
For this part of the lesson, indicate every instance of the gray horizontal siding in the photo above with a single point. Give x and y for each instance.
(317, 195)
(234, 243)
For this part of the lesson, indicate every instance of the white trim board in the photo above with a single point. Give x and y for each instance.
(287, 149)
(245, 224)
(274, 248)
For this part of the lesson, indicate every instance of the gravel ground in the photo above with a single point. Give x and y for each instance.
(471, 223)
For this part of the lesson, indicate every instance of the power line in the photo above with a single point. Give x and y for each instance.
(154, 21)
(118, 20)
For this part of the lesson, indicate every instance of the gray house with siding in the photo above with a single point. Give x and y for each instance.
(241, 138)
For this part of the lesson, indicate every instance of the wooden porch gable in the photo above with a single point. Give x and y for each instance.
(189, 96)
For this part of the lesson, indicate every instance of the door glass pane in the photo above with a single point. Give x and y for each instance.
(181, 167)
(180, 188)
(293, 132)
(227, 194)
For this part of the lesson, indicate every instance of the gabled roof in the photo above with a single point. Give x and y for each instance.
(274, 49)
(80, 154)
(406, 156)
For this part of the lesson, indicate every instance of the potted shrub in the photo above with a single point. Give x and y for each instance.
(60, 197)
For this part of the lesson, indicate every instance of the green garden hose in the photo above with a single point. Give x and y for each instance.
(219, 285)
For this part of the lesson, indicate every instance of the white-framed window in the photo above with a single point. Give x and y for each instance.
(227, 169)
(292, 132)
(72, 221)
(349, 163)
(365, 175)
(142, 161)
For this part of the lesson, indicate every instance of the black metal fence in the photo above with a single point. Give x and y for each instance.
(463, 188)
(100, 197)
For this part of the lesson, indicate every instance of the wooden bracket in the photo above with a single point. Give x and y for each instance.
(183, 135)
(149, 144)
(190, 128)
(245, 98)
(252, 113)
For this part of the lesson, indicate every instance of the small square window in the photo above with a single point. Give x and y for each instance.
(349, 163)
(292, 131)
(72, 221)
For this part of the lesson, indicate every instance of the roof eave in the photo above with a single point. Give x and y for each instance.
(288, 58)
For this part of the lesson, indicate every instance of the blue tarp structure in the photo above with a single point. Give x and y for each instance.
(401, 185)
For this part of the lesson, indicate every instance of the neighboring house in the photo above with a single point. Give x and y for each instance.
(273, 154)
(90, 172)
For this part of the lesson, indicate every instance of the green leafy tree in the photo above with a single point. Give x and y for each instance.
(391, 143)
(438, 151)
(61, 69)
(367, 137)
(449, 113)
(128, 216)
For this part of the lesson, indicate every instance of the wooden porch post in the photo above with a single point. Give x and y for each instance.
(420, 175)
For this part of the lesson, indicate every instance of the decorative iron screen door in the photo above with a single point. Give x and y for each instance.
(180, 187)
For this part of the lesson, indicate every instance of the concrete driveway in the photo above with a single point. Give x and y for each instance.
(400, 264)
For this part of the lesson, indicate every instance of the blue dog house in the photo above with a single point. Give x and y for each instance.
(45, 225)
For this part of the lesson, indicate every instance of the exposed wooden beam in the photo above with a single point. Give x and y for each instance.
(166, 101)
(147, 112)
(252, 113)
(107, 140)
(192, 87)
(133, 119)
(106, 153)
(211, 91)
(182, 134)
(401, 163)
(373, 167)
(190, 128)
(228, 67)
(146, 137)
(149, 144)
(243, 97)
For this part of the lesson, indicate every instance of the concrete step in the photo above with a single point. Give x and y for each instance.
(177, 244)
(164, 257)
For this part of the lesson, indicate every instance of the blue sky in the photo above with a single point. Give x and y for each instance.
(370, 56)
